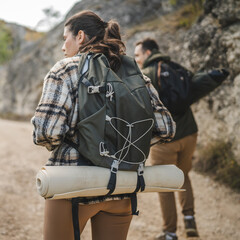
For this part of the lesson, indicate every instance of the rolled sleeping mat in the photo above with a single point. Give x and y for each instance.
(61, 182)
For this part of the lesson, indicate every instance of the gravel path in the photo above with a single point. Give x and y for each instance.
(21, 211)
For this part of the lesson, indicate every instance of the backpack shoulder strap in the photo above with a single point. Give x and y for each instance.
(158, 69)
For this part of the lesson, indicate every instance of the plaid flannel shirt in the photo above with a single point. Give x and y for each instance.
(165, 127)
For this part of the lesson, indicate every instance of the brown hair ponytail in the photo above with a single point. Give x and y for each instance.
(102, 37)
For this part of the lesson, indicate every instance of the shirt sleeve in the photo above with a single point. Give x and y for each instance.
(165, 127)
(51, 115)
(202, 84)
(155, 100)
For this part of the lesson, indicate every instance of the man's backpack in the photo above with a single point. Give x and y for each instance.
(174, 86)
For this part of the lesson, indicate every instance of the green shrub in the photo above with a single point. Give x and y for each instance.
(5, 43)
(173, 2)
(189, 15)
(196, 4)
(218, 160)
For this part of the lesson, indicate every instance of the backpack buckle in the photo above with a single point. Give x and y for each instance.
(140, 169)
(114, 166)
(93, 89)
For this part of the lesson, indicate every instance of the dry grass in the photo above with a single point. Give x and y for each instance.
(33, 35)
(15, 117)
(218, 160)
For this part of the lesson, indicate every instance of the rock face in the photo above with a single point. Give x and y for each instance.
(22, 36)
(23, 82)
(23, 41)
(212, 42)
(215, 42)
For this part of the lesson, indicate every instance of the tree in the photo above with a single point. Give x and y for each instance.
(51, 17)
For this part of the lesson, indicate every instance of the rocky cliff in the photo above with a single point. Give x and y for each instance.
(20, 41)
(215, 42)
(212, 41)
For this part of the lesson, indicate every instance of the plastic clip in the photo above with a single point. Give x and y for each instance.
(114, 166)
(93, 89)
(140, 169)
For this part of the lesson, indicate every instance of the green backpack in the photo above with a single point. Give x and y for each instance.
(115, 119)
(115, 114)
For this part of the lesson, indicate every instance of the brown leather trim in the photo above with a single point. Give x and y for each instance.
(159, 73)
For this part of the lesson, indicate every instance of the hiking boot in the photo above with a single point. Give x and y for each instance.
(190, 227)
(166, 236)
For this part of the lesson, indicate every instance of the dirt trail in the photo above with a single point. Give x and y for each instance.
(21, 208)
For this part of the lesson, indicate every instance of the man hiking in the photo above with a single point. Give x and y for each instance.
(178, 88)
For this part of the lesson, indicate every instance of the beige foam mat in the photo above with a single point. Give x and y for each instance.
(58, 182)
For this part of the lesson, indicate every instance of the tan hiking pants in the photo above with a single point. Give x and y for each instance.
(180, 153)
(109, 219)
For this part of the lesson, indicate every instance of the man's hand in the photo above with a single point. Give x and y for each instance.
(218, 74)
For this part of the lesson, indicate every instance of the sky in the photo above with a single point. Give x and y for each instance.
(29, 12)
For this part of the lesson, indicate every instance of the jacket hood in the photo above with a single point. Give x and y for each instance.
(156, 56)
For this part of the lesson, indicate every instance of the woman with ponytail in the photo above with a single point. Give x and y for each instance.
(56, 118)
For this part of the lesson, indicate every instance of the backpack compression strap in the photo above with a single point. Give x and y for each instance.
(140, 180)
(76, 229)
(134, 204)
(140, 185)
(113, 177)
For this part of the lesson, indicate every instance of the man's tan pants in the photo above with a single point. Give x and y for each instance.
(109, 220)
(180, 153)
